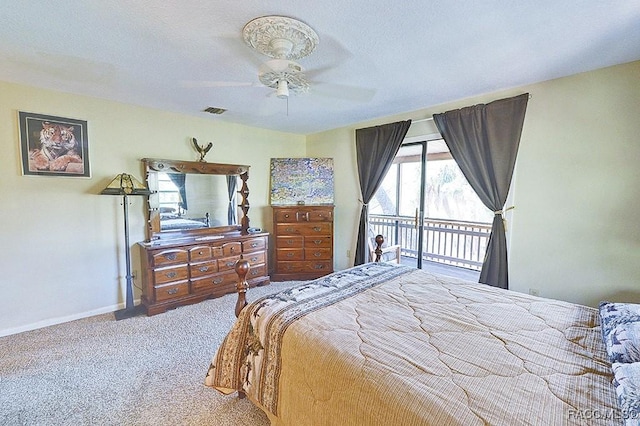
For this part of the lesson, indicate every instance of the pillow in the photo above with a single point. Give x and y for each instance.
(621, 331)
(627, 383)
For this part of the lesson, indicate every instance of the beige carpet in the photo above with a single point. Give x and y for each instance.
(138, 371)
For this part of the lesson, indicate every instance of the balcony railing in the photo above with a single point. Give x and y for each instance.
(451, 242)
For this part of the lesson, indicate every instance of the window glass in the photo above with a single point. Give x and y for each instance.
(385, 199)
(449, 195)
(168, 194)
(410, 188)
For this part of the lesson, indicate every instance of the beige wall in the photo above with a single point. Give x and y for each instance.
(62, 243)
(574, 233)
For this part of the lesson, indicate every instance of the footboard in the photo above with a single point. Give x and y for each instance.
(242, 269)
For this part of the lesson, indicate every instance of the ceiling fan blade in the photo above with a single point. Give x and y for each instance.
(312, 74)
(204, 83)
(231, 49)
(234, 46)
(341, 91)
(329, 47)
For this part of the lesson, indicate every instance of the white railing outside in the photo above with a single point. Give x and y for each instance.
(451, 242)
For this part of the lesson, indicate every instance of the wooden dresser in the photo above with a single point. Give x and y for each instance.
(180, 273)
(303, 242)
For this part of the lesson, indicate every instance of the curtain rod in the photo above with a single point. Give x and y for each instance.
(421, 120)
(431, 118)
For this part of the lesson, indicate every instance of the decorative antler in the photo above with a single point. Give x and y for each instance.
(201, 149)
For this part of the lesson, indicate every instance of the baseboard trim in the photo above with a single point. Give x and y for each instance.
(60, 320)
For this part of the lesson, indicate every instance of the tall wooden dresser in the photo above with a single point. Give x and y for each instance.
(303, 242)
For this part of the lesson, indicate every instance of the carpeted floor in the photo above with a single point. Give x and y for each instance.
(138, 371)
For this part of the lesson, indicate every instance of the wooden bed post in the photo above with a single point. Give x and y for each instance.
(378, 250)
(242, 269)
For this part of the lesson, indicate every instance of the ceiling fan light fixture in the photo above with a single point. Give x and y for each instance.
(283, 89)
(284, 39)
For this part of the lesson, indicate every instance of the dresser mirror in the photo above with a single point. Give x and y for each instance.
(193, 198)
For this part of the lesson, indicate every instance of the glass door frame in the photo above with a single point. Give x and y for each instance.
(419, 219)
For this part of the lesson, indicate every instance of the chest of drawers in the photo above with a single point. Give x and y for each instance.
(178, 274)
(303, 242)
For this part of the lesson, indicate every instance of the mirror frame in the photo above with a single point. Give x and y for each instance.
(153, 166)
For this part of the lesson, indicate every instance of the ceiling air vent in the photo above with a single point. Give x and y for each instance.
(214, 110)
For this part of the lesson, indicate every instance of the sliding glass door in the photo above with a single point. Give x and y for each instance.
(426, 206)
(397, 209)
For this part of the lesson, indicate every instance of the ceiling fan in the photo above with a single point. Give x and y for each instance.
(284, 39)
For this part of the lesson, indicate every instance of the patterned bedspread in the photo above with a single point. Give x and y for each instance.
(381, 344)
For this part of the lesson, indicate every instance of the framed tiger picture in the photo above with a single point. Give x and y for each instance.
(53, 146)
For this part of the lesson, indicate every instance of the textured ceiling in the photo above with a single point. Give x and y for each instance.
(375, 58)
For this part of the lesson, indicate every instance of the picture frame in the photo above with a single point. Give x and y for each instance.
(53, 146)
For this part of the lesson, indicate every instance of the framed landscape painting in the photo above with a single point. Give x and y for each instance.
(53, 146)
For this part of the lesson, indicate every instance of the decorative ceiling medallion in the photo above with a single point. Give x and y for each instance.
(280, 37)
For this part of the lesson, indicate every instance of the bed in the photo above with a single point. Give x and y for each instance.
(171, 220)
(172, 223)
(382, 344)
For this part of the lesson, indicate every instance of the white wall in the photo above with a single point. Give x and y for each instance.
(62, 243)
(574, 233)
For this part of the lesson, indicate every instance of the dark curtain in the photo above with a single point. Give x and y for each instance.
(232, 187)
(180, 181)
(483, 140)
(376, 147)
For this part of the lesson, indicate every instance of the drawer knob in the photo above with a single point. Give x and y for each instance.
(172, 291)
(171, 256)
(203, 268)
(317, 254)
(253, 245)
(317, 228)
(217, 280)
(200, 252)
(171, 274)
(317, 242)
(318, 266)
(287, 215)
(254, 259)
(230, 264)
(290, 242)
(290, 254)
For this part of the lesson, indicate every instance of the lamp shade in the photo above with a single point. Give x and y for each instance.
(125, 184)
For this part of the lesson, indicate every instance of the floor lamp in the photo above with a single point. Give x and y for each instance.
(125, 185)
